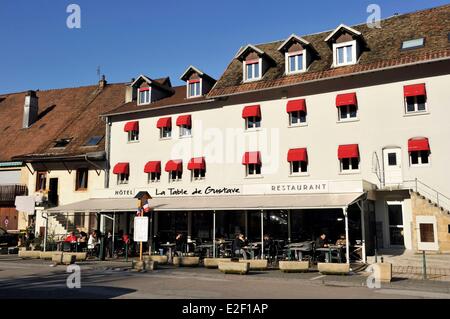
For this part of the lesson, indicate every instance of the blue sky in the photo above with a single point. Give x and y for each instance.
(156, 38)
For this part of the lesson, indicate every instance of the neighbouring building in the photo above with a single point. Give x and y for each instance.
(343, 132)
(53, 153)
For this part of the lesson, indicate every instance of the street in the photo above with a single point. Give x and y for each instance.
(38, 279)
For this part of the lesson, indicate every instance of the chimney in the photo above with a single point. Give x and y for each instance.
(102, 83)
(30, 109)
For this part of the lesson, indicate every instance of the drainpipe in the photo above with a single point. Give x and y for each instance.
(347, 241)
(107, 150)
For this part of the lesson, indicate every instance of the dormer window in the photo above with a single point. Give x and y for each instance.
(198, 83)
(252, 70)
(344, 53)
(144, 96)
(346, 43)
(295, 62)
(298, 54)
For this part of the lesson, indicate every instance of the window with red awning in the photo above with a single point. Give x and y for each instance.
(346, 99)
(418, 144)
(414, 90)
(251, 111)
(121, 168)
(184, 120)
(297, 155)
(164, 122)
(348, 151)
(197, 163)
(174, 166)
(251, 158)
(153, 167)
(131, 126)
(296, 106)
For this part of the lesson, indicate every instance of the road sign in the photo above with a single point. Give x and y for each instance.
(6, 221)
(140, 229)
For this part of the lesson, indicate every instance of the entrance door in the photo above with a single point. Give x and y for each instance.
(53, 192)
(395, 214)
(392, 163)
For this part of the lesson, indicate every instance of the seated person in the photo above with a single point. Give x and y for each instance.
(322, 241)
(341, 241)
(238, 246)
(72, 240)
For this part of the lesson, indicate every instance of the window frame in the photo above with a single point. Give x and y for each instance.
(419, 159)
(416, 105)
(299, 123)
(336, 46)
(351, 170)
(165, 129)
(123, 179)
(38, 183)
(259, 63)
(78, 186)
(348, 118)
(200, 89)
(300, 172)
(156, 179)
(178, 177)
(133, 136)
(254, 127)
(185, 128)
(247, 170)
(201, 177)
(295, 54)
(148, 96)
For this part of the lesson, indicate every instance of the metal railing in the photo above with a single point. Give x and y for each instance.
(430, 193)
(8, 193)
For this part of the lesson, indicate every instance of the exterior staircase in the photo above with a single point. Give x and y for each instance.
(432, 196)
(65, 223)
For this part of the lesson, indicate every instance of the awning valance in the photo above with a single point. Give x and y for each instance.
(348, 151)
(297, 155)
(153, 167)
(121, 168)
(418, 144)
(296, 106)
(184, 120)
(164, 122)
(174, 165)
(346, 99)
(414, 90)
(131, 126)
(251, 158)
(197, 163)
(251, 111)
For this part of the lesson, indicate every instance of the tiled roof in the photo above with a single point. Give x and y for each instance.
(383, 51)
(63, 113)
(177, 99)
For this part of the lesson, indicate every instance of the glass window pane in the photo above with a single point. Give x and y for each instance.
(258, 169)
(421, 102)
(424, 156)
(249, 71)
(256, 70)
(410, 101)
(345, 163)
(355, 163)
(302, 117)
(349, 53)
(300, 62)
(304, 166)
(392, 159)
(353, 110)
(340, 55)
(295, 167)
(294, 117)
(343, 112)
(414, 157)
(292, 63)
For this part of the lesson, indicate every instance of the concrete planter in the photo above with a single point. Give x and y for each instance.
(57, 258)
(333, 268)
(189, 261)
(29, 254)
(162, 260)
(214, 262)
(256, 264)
(137, 265)
(68, 259)
(384, 272)
(294, 266)
(80, 256)
(150, 265)
(240, 268)
(48, 255)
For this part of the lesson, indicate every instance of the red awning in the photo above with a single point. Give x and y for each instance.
(252, 110)
(418, 144)
(121, 168)
(164, 122)
(346, 99)
(131, 126)
(414, 90)
(297, 155)
(153, 167)
(252, 61)
(197, 163)
(296, 105)
(194, 81)
(184, 120)
(251, 158)
(174, 165)
(348, 151)
(144, 89)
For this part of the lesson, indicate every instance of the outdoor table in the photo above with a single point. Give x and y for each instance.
(208, 248)
(169, 246)
(251, 249)
(299, 248)
(328, 250)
